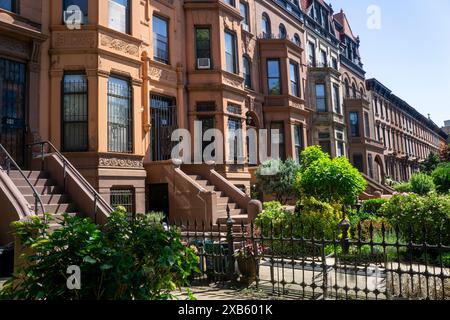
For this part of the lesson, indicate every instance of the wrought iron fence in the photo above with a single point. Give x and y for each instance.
(374, 261)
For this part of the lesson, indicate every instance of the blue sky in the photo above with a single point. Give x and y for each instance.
(410, 53)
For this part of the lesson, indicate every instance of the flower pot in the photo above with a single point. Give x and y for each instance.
(248, 267)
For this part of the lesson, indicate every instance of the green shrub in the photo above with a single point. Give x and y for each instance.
(278, 178)
(441, 177)
(126, 260)
(430, 213)
(311, 155)
(403, 187)
(373, 206)
(332, 181)
(430, 163)
(273, 217)
(422, 183)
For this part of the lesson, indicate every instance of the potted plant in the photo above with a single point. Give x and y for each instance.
(247, 259)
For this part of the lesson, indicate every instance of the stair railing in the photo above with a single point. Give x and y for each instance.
(9, 161)
(68, 166)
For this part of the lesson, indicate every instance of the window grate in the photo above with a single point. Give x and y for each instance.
(124, 198)
(120, 122)
(75, 113)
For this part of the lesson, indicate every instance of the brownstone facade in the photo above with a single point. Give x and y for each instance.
(110, 92)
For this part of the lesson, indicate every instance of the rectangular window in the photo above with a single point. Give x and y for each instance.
(358, 162)
(160, 39)
(336, 99)
(295, 88)
(233, 139)
(244, 13)
(10, 5)
(75, 113)
(207, 123)
(203, 47)
(280, 127)
(230, 52)
(311, 54)
(326, 146)
(321, 101)
(354, 124)
(123, 198)
(370, 162)
(120, 123)
(340, 144)
(69, 10)
(273, 76)
(298, 141)
(230, 2)
(335, 63)
(119, 15)
(367, 124)
(323, 58)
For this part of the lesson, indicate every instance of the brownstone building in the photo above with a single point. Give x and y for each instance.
(108, 81)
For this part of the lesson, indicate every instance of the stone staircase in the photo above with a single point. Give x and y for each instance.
(55, 201)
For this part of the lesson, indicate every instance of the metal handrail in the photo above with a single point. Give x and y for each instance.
(68, 165)
(37, 197)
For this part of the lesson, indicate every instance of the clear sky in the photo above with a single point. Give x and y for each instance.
(410, 52)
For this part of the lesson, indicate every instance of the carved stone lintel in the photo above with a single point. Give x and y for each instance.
(119, 45)
(113, 161)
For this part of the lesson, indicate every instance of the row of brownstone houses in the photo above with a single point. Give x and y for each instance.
(108, 84)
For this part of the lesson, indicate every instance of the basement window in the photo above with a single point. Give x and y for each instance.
(123, 197)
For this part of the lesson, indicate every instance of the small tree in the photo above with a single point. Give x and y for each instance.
(444, 152)
(441, 177)
(330, 180)
(430, 163)
(422, 183)
(280, 182)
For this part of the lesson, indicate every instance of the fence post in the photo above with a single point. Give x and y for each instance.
(230, 241)
(345, 226)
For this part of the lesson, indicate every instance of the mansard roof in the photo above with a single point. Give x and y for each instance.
(376, 86)
(341, 18)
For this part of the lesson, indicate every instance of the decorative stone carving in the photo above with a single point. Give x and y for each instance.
(72, 39)
(119, 45)
(15, 47)
(160, 74)
(233, 82)
(105, 161)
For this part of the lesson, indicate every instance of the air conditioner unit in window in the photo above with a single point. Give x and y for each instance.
(204, 63)
(245, 27)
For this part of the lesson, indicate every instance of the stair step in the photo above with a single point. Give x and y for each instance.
(233, 212)
(42, 190)
(50, 199)
(59, 208)
(194, 177)
(223, 206)
(223, 200)
(15, 174)
(238, 220)
(36, 182)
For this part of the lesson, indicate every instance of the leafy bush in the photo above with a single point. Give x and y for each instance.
(441, 177)
(332, 181)
(422, 183)
(403, 187)
(373, 206)
(127, 260)
(430, 213)
(273, 217)
(278, 178)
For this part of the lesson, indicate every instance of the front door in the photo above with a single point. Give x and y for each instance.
(164, 122)
(12, 108)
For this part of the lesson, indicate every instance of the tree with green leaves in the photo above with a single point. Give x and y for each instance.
(430, 163)
(278, 178)
(329, 180)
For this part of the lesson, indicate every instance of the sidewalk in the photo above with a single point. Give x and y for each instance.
(214, 292)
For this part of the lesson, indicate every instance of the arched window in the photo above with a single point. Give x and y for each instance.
(354, 90)
(361, 92)
(347, 88)
(282, 31)
(296, 39)
(266, 29)
(247, 72)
